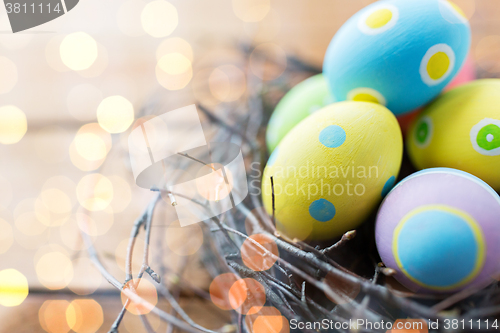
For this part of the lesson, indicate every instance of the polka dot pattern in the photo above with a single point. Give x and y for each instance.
(423, 132)
(437, 64)
(485, 137)
(332, 136)
(322, 210)
(378, 20)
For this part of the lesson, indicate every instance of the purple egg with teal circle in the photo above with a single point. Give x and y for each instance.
(439, 228)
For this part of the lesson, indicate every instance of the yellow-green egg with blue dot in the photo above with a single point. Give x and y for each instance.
(400, 54)
(332, 169)
(302, 100)
(461, 130)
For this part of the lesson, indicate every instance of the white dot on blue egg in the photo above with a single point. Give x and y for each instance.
(389, 184)
(332, 136)
(322, 210)
(273, 157)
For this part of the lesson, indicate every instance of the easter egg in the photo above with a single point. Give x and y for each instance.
(400, 54)
(332, 169)
(301, 101)
(439, 229)
(461, 129)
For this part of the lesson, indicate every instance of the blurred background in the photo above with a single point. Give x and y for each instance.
(120, 59)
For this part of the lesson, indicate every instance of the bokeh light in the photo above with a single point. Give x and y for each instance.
(247, 296)
(6, 236)
(29, 224)
(219, 290)
(256, 258)
(115, 114)
(268, 61)
(121, 253)
(159, 18)
(96, 224)
(174, 45)
(54, 270)
(99, 65)
(267, 320)
(83, 100)
(145, 290)
(84, 316)
(13, 287)
(127, 19)
(214, 182)
(184, 241)
(174, 71)
(122, 194)
(266, 30)
(94, 192)
(78, 51)
(90, 147)
(487, 53)
(56, 201)
(8, 79)
(52, 316)
(13, 124)
(467, 7)
(227, 83)
(251, 10)
(86, 278)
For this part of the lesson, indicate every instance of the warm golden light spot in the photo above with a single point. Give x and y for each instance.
(29, 224)
(84, 316)
(219, 290)
(159, 18)
(458, 9)
(56, 201)
(487, 53)
(13, 124)
(256, 258)
(379, 18)
(184, 241)
(115, 114)
(344, 292)
(6, 236)
(247, 296)
(144, 289)
(86, 278)
(8, 79)
(214, 182)
(99, 66)
(96, 224)
(174, 63)
(267, 320)
(268, 61)
(251, 10)
(90, 147)
(54, 270)
(94, 192)
(175, 45)
(438, 65)
(122, 193)
(83, 100)
(13, 287)
(52, 316)
(227, 83)
(78, 51)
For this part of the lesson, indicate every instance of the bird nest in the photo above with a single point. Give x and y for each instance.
(271, 283)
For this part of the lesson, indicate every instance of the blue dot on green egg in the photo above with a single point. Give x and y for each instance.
(389, 184)
(322, 210)
(431, 243)
(332, 136)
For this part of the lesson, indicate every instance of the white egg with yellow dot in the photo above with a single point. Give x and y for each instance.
(400, 54)
(332, 169)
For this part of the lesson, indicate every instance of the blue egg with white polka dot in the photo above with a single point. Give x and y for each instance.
(400, 54)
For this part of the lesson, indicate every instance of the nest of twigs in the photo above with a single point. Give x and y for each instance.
(309, 282)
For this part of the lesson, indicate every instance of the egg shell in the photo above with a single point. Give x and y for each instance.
(398, 53)
(302, 100)
(320, 188)
(439, 229)
(460, 129)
